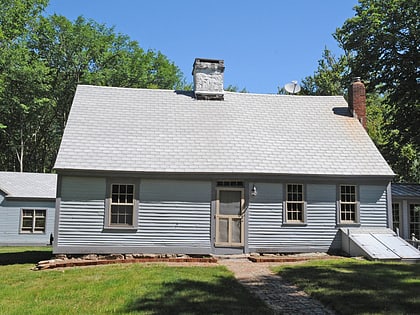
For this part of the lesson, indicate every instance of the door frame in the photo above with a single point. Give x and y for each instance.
(242, 217)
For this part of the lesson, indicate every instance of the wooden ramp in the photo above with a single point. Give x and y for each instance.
(377, 244)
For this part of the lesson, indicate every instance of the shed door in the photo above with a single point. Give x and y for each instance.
(230, 217)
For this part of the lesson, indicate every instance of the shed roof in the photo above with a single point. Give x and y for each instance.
(144, 130)
(28, 185)
(405, 190)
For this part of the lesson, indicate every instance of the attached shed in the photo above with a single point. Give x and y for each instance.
(209, 171)
(27, 208)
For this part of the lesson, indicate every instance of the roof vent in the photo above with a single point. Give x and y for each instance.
(208, 79)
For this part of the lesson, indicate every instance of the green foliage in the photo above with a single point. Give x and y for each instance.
(359, 287)
(15, 15)
(384, 44)
(43, 59)
(234, 88)
(381, 46)
(330, 77)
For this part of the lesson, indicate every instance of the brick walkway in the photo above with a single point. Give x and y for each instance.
(282, 297)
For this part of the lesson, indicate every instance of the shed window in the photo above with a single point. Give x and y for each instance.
(122, 204)
(348, 204)
(33, 220)
(295, 204)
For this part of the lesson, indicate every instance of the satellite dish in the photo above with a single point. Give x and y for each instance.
(292, 87)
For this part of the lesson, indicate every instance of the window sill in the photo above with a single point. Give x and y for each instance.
(355, 224)
(117, 229)
(294, 224)
(32, 233)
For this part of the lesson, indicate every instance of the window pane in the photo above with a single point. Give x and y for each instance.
(122, 214)
(223, 230)
(40, 222)
(27, 223)
(395, 215)
(294, 211)
(348, 212)
(230, 202)
(415, 220)
(27, 213)
(236, 230)
(40, 213)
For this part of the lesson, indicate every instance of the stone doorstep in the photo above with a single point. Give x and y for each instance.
(51, 264)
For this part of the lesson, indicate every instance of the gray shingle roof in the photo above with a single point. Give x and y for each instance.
(144, 130)
(405, 190)
(28, 185)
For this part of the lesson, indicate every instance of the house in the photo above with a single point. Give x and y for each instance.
(27, 208)
(216, 172)
(406, 210)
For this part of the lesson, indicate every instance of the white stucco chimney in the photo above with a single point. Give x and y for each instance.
(208, 79)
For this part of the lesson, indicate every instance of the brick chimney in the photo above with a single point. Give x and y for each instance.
(208, 79)
(357, 100)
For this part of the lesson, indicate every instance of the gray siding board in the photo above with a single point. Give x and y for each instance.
(171, 214)
(373, 206)
(176, 214)
(317, 234)
(10, 214)
(265, 215)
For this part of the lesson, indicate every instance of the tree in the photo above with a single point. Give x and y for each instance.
(384, 44)
(43, 59)
(234, 88)
(329, 78)
(22, 83)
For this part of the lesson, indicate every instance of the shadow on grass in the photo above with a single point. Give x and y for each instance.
(225, 296)
(353, 288)
(24, 257)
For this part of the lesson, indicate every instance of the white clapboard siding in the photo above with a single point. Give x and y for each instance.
(373, 203)
(10, 222)
(171, 213)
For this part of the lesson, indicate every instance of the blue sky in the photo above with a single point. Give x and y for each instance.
(265, 44)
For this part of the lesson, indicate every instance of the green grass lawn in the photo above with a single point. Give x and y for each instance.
(119, 289)
(352, 286)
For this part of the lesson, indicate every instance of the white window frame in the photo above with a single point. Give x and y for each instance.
(34, 217)
(288, 202)
(109, 203)
(355, 203)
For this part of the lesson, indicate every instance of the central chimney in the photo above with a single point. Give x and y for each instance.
(357, 100)
(208, 79)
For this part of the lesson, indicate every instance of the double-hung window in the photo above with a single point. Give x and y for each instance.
(33, 220)
(348, 204)
(295, 204)
(122, 205)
